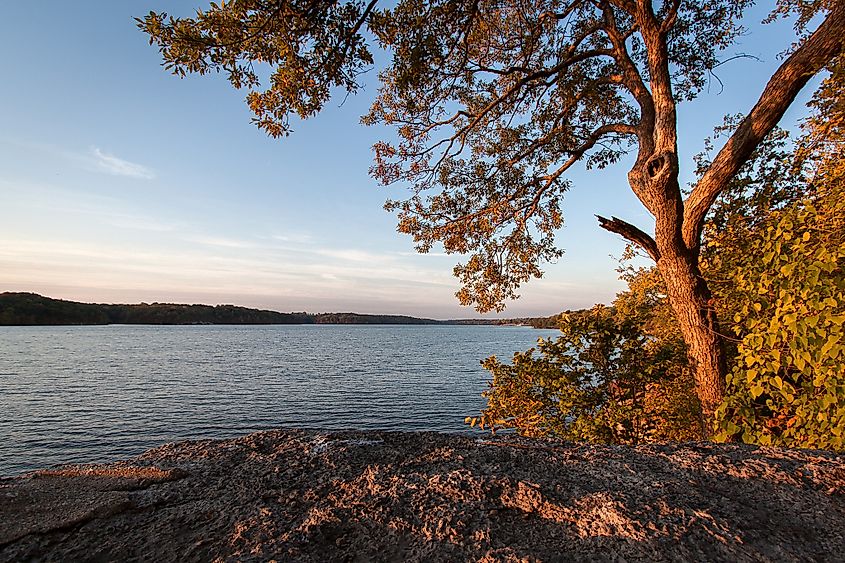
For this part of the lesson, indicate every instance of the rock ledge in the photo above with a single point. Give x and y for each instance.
(299, 495)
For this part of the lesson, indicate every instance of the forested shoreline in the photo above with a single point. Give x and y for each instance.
(31, 309)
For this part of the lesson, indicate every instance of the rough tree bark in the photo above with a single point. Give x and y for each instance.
(654, 179)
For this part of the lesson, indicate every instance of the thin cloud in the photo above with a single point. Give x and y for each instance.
(435, 254)
(295, 238)
(219, 241)
(115, 166)
(353, 255)
(138, 223)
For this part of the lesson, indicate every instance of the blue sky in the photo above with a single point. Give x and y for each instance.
(122, 183)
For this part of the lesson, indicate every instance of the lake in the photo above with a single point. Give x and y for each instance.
(101, 393)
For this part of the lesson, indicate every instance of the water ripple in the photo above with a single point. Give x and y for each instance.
(93, 394)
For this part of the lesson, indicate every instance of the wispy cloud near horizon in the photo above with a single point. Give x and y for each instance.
(115, 166)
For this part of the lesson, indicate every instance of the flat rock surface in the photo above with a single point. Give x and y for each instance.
(297, 495)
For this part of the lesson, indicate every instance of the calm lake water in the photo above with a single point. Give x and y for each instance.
(95, 394)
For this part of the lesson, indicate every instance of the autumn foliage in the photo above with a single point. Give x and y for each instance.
(787, 385)
(774, 255)
(616, 374)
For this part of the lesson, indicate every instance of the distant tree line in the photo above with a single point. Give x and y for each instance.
(552, 321)
(33, 309)
(357, 318)
(30, 309)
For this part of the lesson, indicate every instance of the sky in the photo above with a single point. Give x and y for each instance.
(121, 183)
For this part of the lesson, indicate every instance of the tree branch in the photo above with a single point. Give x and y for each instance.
(632, 79)
(631, 233)
(364, 15)
(671, 17)
(660, 80)
(824, 44)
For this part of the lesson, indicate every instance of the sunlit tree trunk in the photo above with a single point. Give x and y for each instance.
(689, 297)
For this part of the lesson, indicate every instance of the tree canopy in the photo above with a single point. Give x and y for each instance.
(495, 100)
(773, 252)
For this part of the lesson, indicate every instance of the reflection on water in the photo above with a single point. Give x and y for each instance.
(91, 394)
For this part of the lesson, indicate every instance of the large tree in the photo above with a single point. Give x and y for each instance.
(495, 100)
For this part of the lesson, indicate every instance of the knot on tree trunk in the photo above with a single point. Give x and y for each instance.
(661, 164)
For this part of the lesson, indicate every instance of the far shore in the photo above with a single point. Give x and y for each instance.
(31, 309)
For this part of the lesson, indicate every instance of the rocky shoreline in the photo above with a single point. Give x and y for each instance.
(298, 495)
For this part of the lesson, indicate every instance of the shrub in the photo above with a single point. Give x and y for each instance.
(616, 374)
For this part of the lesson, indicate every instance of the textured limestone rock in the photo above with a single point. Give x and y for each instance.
(296, 495)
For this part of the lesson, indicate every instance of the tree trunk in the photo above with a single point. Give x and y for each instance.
(689, 297)
(657, 180)
(654, 179)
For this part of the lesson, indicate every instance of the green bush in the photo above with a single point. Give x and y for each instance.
(787, 386)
